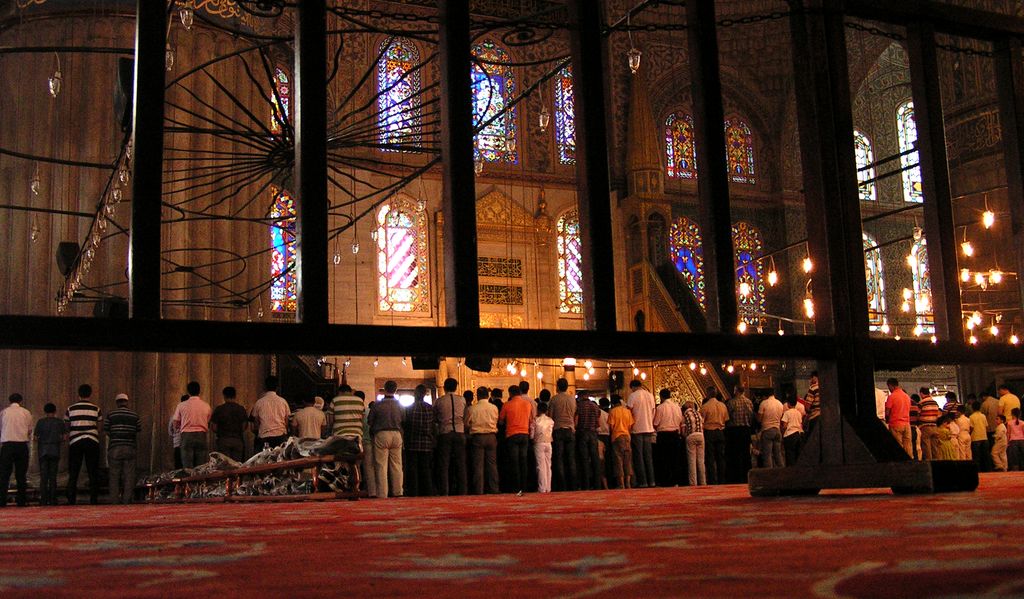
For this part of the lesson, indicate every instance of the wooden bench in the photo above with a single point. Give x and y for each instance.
(185, 488)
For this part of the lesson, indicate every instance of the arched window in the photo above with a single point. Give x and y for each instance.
(570, 277)
(279, 101)
(565, 117)
(398, 89)
(739, 150)
(403, 284)
(680, 153)
(875, 280)
(688, 254)
(748, 246)
(282, 255)
(922, 283)
(865, 169)
(906, 133)
(494, 119)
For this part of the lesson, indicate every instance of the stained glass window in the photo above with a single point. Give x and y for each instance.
(906, 133)
(748, 246)
(739, 150)
(403, 283)
(688, 254)
(680, 154)
(875, 280)
(865, 171)
(282, 255)
(922, 284)
(570, 277)
(494, 119)
(398, 89)
(279, 101)
(565, 117)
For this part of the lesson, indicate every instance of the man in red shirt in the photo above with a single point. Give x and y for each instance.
(897, 414)
(518, 416)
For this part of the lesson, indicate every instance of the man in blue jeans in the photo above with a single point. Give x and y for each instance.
(641, 404)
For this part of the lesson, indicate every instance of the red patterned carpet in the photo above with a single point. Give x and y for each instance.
(709, 542)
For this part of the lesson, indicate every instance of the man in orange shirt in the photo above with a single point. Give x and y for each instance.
(620, 420)
(518, 415)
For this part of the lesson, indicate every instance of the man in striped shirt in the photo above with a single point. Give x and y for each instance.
(929, 417)
(122, 427)
(83, 420)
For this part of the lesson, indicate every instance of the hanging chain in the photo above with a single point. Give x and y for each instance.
(875, 31)
(965, 51)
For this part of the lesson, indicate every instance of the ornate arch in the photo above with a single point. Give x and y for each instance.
(403, 281)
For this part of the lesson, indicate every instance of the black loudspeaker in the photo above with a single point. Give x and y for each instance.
(616, 379)
(426, 362)
(67, 252)
(479, 363)
(123, 94)
(116, 308)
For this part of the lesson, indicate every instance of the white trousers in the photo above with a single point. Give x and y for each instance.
(543, 453)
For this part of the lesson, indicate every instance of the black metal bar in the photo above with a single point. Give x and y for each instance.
(1011, 118)
(458, 178)
(73, 333)
(945, 17)
(938, 202)
(712, 169)
(311, 162)
(148, 144)
(592, 179)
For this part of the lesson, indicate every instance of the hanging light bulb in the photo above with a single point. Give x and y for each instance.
(108, 209)
(935, 339)
(965, 275)
(808, 266)
(54, 82)
(591, 370)
(907, 294)
(636, 371)
(752, 366)
(643, 376)
(589, 365)
(994, 330)
(781, 331)
(905, 306)
(809, 307)
(348, 362)
(897, 337)
(259, 313)
(376, 362)
(34, 234)
(693, 366)
(116, 195)
(703, 370)
(586, 376)
(404, 361)
(355, 247)
(730, 368)
(973, 340)
(744, 289)
(169, 57)
(123, 176)
(976, 317)
(995, 277)
(773, 277)
(337, 258)
(522, 373)
(35, 185)
(988, 218)
(742, 327)
(1014, 340)
(918, 330)
(187, 16)
(912, 261)
(967, 248)
(979, 279)
(884, 328)
(970, 325)
(544, 118)
(633, 59)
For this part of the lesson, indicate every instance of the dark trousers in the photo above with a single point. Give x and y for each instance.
(177, 458)
(981, 452)
(737, 453)
(643, 459)
(88, 451)
(668, 457)
(517, 458)
(13, 457)
(451, 464)
(48, 479)
(418, 477)
(590, 459)
(791, 445)
(563, 460)
(714, 456)
(272, 442)
(484, 451)
(233, 447)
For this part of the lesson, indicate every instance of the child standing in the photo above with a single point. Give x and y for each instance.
(542, 429)
(999, 447)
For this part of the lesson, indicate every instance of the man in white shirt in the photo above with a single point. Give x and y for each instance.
(309, 422)
(668, 448)
(15, 435)
(641, 404)
(792, 430)
(769, 414)
(270, 417)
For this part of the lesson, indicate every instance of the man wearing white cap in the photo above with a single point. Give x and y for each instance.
(122, 427)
